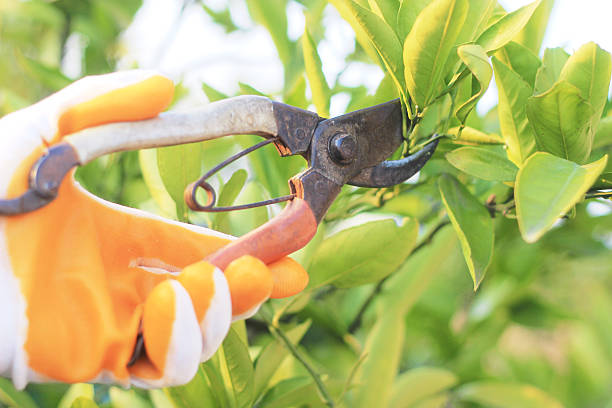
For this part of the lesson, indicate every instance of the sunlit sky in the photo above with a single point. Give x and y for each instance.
(193, 49)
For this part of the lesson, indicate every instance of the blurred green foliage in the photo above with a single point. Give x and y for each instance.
(398, 323)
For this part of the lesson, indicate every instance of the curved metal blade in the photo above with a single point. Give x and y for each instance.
(392, 172)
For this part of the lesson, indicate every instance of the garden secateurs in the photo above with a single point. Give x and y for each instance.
(348, 149)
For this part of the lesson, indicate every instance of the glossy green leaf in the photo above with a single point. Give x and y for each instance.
(228, 195)
(472, 223)
(512, 110)
(76, 391)
(244, 221)
(407, 14)
(470, 136)
(298, 391)
(197, 392)
(547, 187)
(553, 62)
(561, 119)
(532, 34)
(240, 368)
(383, 38)
(506, 395)
(121, 398)
(603, 136)
(487, 164)
(477, 20)
(314, 72)
(521, 60)
(179, 166)
(272, 355)
(369, 252)
(420, 383)
(13, 398)
(476, 60)
(429, 45)
(84, 402)
(589, 69)
(386, 9)
(506, 28)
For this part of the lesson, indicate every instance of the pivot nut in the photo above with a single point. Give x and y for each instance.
(343, 148)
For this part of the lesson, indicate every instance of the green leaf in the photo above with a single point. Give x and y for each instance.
(506, 395)
(479, 14)
(521, 60)
(420, 383)
(223, 18)
(228, 195)
(273, 354)
(603, 137)
(84, 402)
(469, 135)
(49, 76)
(212, 94)
(386, 9)
(547, 187)
(160, 399)
(240, 368)
(13, 398)
(512, 110)
(532, 34)
(428, 47)
(506, 28)
(127, 399)
(561, 119)
(178, 167)
(75, 391)
(369, 252)
(407, 14)
(244, 221)
(318, 85)
(384, 40)
(475, 58)
(487, 164)
(589, 69)
(553, 62)
(472, 223)
(195, 393)
(298, 392)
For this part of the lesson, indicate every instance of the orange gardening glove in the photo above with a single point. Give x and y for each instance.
(81, 277)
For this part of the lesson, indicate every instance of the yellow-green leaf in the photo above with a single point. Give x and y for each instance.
(561, 119)
(521, 60)
(553, 62)
(428, 47)
(487, 164)
(470, 136)
(512, 110)
(472, 223)
(532, 34)
(547, 187)
(316, 78)
(506, 28)
(406, 16)
(589, 69)
(240, 369)
(13, 398)
(475, 58)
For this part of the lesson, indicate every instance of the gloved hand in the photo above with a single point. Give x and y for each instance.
(81, 277)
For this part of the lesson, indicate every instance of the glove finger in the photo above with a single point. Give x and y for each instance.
(171, 337)
(289, 277)
(210, 295)
(250, 284)
(95, 100)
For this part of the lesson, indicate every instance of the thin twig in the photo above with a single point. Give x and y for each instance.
(276, 332)
(424, 242)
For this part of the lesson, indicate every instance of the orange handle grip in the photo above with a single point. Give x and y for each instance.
(289, 231)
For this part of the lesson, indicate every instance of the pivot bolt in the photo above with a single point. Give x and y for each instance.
(343, 148)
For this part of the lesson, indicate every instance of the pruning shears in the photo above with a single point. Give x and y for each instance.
(348, 149)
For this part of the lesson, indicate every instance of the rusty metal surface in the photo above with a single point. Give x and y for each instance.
(45, 178)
